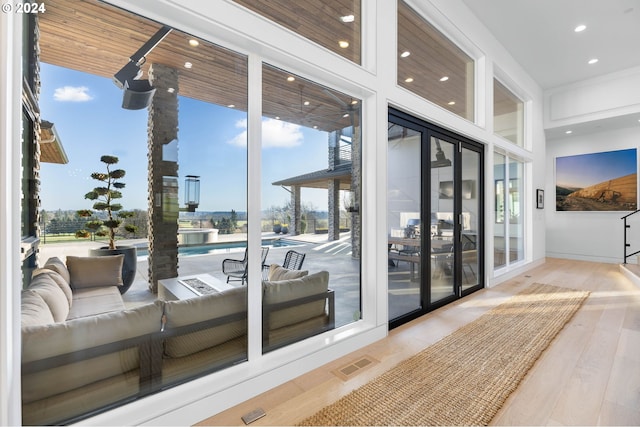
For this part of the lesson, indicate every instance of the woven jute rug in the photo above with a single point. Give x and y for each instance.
(464, 378)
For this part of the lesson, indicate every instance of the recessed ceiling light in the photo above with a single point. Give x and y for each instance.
(306, 102)
(188, 65)
(343, 44)
(444, 78)
(345, 115)
(194, 42)
(405, 54)
(171, 90)
(347, 18)
(569, 132)
(408, 79)
(290, 78)
(277, 117)
(452, 102)
(231, 105)
(593, 61)
(580, 28)
(354, 102)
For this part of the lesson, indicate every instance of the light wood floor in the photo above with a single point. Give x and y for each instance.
(590, 375)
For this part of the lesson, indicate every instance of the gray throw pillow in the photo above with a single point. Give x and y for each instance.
(277, 272)
(92, 271)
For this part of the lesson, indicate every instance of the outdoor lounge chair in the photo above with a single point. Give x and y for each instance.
(293, 260)
(237, 269)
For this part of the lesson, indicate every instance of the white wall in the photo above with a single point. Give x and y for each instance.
(599, 98)
(589, 236)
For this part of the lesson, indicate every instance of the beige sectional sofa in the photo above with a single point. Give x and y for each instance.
(84, 352)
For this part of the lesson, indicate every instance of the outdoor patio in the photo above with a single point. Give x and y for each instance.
(334, 257)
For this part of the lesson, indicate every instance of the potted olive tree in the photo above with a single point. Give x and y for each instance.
(104, 197)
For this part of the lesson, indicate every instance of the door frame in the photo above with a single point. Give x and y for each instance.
(427, 131)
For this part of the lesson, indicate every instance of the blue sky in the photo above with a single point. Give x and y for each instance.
(212, 144)
(588, 169)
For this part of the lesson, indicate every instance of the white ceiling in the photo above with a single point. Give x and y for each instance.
(540, 35)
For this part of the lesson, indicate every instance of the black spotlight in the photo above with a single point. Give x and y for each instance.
(137, 94)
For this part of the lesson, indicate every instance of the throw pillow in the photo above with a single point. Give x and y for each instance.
(34, 311)
(51, 293)
(277, 273)
(56, 264)
(64, 284)
(92, 271)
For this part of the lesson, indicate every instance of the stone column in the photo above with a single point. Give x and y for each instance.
(297, 210)
(356, 186)
(163, 176)
(334, 209)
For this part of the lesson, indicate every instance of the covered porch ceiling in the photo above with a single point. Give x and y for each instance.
(321, 178)
(97, 38)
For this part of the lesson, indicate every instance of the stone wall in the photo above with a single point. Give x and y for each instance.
(163, 176)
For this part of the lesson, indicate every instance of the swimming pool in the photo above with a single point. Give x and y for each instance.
(222, 247)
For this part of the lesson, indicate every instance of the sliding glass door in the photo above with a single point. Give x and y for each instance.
(404, 219)
(434, 217)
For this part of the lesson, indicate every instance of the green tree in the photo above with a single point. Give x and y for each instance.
(104, 197)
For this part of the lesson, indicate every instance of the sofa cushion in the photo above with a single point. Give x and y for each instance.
(287, 290)
(51, 293)
(60, 281)
(34, 310)
(277, 272)
(86, 272)
(56, 264)
(39, 342)
(194, 310)
(92, 301)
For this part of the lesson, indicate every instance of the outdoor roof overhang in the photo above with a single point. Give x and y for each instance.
(51, 149)
(321, 178)
(97, 38)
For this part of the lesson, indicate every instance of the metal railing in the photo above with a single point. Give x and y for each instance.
(627, 245)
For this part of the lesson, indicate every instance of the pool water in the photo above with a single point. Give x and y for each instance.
(213, 248)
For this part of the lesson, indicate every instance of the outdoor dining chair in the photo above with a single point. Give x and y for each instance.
(237, 269)
(293, 260)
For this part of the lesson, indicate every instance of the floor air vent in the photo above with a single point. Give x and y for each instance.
(353, 368)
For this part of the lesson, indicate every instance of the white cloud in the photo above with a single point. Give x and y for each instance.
(72, 94)
(275, 133)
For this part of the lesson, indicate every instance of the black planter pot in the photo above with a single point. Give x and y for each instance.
(129, 265)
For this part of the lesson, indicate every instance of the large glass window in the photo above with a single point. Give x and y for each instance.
(109, 326)
(508, 229)
(333, 24)
(508, 114)
(433, 67)
(311, 184)
(515, 201)
(500, 210)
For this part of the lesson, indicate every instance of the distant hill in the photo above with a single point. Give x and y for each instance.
(617, 194)
(564, 191)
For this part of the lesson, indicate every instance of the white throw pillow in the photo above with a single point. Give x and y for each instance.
(34, 310)
(51, 293)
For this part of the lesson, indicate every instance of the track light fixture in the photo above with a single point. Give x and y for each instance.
(441, 161)
(138, 93)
